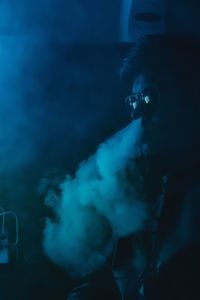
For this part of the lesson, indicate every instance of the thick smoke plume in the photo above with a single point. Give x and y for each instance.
(95, 205)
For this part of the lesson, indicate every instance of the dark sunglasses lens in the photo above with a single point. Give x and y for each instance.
(150, 95)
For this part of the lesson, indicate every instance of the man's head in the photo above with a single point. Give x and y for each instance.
(162, 78)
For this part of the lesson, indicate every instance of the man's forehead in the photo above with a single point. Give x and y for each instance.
(139, 83)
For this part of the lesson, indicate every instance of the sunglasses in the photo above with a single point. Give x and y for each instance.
(143, 103)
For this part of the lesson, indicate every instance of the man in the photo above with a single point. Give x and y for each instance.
(163, 74)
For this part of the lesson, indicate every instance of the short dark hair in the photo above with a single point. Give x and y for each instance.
(168, 59)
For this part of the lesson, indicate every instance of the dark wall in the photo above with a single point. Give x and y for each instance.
(68, 21)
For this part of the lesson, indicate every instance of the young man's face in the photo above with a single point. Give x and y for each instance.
(168, 124)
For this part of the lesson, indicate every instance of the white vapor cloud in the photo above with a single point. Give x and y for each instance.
(98, 203)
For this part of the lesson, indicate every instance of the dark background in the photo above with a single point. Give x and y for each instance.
(65, 105)
(60, 97)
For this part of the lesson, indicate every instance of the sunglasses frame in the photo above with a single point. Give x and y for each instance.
(139, 97)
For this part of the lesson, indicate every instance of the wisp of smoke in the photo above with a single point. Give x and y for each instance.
(95, 205)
